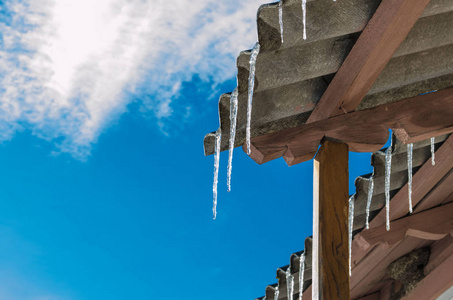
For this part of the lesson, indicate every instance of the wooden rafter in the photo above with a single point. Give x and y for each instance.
(412, 120)
(382, 36)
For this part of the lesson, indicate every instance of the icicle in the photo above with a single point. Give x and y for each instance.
(304, 17)
(253, 56)
(276, 292)
(280, 17)
(433, 155)
(388, 168)
(289, 283)
(218, 137)
(351, 227)
(368, 203)
(301, 274)
(410, 149)
(233, 121)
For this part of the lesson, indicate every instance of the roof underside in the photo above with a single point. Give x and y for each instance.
(292, 77)
(290, 80)
(367, 280)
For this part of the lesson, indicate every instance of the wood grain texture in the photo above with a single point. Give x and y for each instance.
(330, 229)
(413, 119)
(384, 33)
(423, 182)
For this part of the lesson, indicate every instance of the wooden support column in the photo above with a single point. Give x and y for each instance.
(330, 222)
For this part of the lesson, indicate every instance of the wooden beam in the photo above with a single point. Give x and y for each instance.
(422, 182)
(440, 193)
(413, 119)
(440, 224)
(330, 227)
(382, 36)
(440, 251)
(370, 247)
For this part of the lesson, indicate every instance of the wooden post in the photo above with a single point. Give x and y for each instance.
(330, 222)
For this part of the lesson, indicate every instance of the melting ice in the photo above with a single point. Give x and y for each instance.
(218, 137)
(255, 52)
(368, 203)
(388, 168)
(351, 227)
(410, 149)
(276, 292)
(301, 274)
(280, 18)
(433, 161)
(233, 121)
(304, 17)
(289, 283)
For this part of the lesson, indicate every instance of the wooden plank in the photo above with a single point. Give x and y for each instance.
(440, 224)
(435, 283)
(441, 192)
(375, 267)
(370, 247)
(385, 32)
(374, 296)
(422, 182)
(413, 119)
(440, 251)
(330, 226)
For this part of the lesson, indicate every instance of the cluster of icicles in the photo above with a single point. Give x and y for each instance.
(388, 164)
(234, 110)
(388, 167)
(290, 281)
(233, 124)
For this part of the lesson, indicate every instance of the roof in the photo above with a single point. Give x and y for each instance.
(291, 77)
(290, 80)
(374, 250)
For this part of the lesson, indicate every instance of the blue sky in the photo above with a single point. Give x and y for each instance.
(107, 195)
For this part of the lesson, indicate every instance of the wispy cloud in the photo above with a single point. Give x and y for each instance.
(68, 68)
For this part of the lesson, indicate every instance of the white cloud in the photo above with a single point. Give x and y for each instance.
(67, 66)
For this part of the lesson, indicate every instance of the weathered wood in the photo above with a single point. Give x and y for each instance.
(422, 182)
(385, 32)
(412, 120)
(330, 226)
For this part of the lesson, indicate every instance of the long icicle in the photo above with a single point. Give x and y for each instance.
(280, 18)
(218, 138)
(410, 149)
(351, 227)
(368, 203)
(233, 121)
(289, 283)
(276, 292)
(255, 52)
(433, 155)
(304, 18)
(388, 169)
(301, 274)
